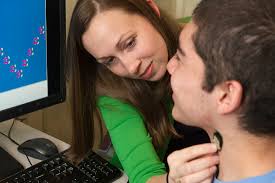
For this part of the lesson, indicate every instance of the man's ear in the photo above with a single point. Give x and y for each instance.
(229, 96)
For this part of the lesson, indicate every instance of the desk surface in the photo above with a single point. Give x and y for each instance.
(22, 132)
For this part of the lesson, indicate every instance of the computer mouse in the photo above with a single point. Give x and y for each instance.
(39, 148)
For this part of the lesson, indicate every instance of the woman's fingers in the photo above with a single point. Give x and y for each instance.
(195, 165)
(199, 177)
(193, 152)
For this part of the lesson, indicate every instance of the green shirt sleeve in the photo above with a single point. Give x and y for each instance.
(184, 19)
(131, 141)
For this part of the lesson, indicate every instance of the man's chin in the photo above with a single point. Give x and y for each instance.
(179, 117)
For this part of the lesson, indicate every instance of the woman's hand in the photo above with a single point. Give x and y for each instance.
(195, 164)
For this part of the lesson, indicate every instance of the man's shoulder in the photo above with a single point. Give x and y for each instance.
(266, 178)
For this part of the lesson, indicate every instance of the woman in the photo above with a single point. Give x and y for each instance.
(117, 56)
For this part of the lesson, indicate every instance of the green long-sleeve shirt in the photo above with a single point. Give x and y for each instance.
(132, 143)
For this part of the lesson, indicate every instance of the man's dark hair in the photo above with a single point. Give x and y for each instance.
(236, 41)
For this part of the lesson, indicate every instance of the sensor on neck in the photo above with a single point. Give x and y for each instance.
(217, 139)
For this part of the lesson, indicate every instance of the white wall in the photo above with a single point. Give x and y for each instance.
(178, 8)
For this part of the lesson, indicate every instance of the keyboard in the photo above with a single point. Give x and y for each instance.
(93, 169)
(98, 169)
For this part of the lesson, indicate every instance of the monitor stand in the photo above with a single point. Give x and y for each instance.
(9, 165)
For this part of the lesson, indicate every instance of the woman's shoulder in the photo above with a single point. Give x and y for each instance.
(115, 106)
(105, 101)
(115, 112)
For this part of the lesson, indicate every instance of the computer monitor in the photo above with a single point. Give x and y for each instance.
(32, 41)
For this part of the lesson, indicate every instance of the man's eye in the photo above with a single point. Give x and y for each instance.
(176, 57)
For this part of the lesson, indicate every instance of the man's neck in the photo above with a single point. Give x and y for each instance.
(244, 156)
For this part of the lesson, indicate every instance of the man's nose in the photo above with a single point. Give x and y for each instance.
(171, 65)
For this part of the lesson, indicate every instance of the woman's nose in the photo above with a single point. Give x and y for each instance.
(133, 66)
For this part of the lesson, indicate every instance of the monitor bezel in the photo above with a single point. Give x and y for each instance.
(56, 35)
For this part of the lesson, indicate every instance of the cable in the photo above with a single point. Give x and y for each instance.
(7, 137)
(9, 133)
(11, 139)
(28, 158)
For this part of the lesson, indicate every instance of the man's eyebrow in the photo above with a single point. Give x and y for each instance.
(180, 48)
(179, 45)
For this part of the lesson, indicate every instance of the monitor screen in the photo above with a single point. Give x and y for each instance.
(32, 38)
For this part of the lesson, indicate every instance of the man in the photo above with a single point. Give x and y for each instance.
(223, 80)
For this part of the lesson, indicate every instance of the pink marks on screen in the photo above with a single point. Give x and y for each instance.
(36, 41)
(41, 30)
(13, 68)
(30, 52)
(6, 60)
(25, 62)
(19, 73)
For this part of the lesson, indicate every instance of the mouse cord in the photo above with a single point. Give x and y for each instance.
(11, 139)
(9, 133)
(28, 158)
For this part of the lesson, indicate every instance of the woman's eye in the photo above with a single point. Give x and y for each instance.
(131, 43)
(109, 62)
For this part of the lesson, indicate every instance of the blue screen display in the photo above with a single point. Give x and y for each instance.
(23, 50)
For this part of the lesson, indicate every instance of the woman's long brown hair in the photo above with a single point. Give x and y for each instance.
(88, 79)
